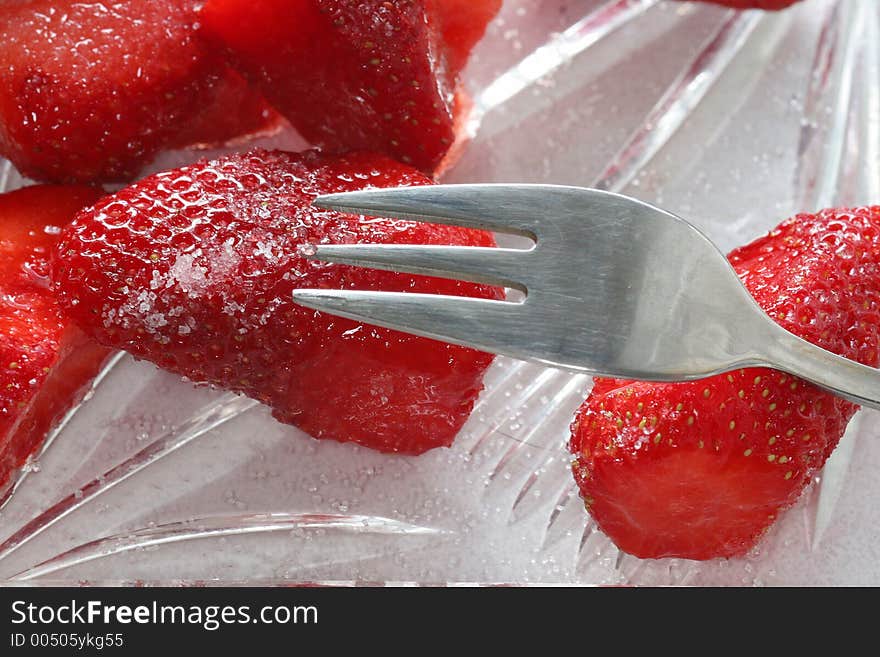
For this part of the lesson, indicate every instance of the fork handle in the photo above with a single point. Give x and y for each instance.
(846, 378)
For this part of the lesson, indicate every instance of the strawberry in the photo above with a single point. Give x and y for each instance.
(702, 469)
(90, 91)
(230, 112)
(45, 361)
(194, 269)
(372, 75)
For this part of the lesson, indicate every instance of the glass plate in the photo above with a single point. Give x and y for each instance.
(734, 120)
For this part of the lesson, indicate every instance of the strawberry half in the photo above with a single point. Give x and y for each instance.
(194, 269)
(702, 469)
(230, 112)
(90, 91)
(45, 361)
(367, 75)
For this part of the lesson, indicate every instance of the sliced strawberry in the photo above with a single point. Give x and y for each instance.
(194, 269)
(90, 91)
(371, 75)
(44, 360)
(702, 469)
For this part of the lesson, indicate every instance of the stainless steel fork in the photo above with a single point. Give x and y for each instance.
(613, 286)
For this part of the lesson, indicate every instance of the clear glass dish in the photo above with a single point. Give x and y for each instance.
(732, 120)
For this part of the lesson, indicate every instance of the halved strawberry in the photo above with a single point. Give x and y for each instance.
(371, 75)
(702, 469)
(194, 269)
(45, 361)
(90, 91)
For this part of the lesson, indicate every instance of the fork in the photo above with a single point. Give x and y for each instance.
(613, 287)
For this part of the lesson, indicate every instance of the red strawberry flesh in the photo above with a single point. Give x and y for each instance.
(90, 91)
(702, 469)
(229, 112)
(45, 361)
(194, 270)
(462, 24)
(372, 75)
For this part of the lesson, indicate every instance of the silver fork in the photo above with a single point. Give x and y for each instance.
(613, 287)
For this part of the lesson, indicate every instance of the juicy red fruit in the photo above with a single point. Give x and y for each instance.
(194, 269)
(45, 361)
(702, 469)
(375, 75)
(90, 91)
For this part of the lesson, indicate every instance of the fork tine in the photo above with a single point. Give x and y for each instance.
(484, 324)
(454, 205)
(470, 263)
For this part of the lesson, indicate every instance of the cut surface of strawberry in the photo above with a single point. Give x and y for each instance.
(90, 91)
(45, 361)
(702, 469)
(230, 111)
(375, 75)
(194, 269)
(462, 24)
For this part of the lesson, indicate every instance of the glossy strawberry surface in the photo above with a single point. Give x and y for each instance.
(702, 469)
(90, 91)
(44, 360)
(194, 270)
(371, 75)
